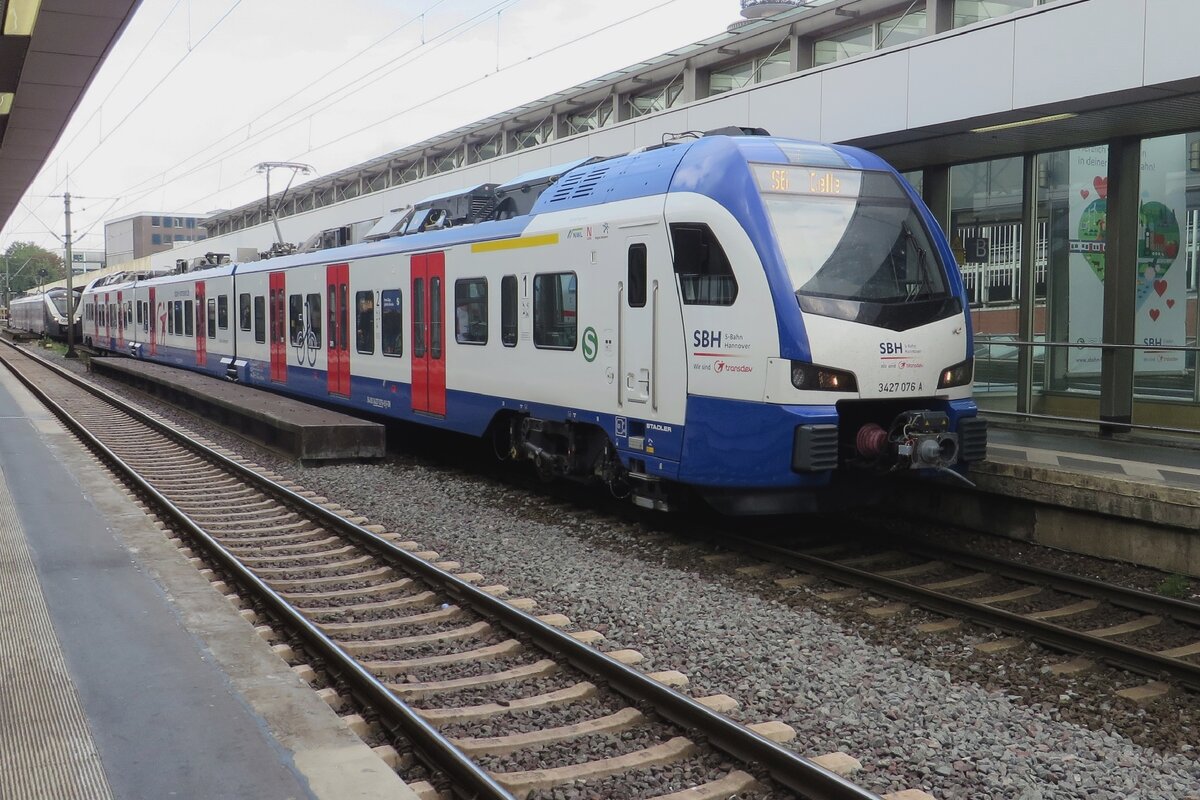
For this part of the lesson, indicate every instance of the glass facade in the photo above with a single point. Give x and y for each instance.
(1038, 307)
(845, 45)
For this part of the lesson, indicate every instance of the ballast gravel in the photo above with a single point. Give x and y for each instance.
(968, 730)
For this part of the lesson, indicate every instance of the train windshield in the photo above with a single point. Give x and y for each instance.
(60, 303)
(854, 246)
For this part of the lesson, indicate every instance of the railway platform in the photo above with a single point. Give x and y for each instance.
(306, 431)
(127, 675)
(1126, 497)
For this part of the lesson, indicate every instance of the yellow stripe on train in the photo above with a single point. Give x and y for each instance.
(515, 244)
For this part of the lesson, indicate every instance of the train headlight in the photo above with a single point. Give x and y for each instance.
(958, 375)
(813, 377)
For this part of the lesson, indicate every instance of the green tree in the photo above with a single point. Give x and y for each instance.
(29, 266)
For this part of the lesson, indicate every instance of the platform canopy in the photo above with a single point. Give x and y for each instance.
(49, 52)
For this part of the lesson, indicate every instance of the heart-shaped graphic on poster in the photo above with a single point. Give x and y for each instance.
(1158, 248)
(1170, 302)
(1101, 185)
(1154, 314)
(1084, 193)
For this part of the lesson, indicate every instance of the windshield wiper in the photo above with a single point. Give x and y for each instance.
(922, 267)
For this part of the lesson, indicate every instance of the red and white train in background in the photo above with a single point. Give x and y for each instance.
(764, 321)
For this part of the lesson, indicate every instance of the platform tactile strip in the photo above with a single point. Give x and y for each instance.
(46, 749)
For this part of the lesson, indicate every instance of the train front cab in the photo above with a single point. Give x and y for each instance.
(848, 379)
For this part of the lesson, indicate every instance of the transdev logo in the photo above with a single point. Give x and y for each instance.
(724, 366)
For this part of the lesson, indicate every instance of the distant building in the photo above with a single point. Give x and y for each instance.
(84, 260)
(140, 235)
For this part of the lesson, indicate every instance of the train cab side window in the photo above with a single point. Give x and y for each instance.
(391, 320)
(364, 313)
(171, 318)
(141, 314)
(296, 320)
(314, 320)
(508, 310)
(555, 325)
(471, 311)
(188, 326)
(223, 312)
(637, 276)
(705, 276)
(244, 311)
(260, 318)
(179, 318)
(212, 318)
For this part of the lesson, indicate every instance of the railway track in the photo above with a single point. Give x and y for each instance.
(494, 699)
(1155, 636)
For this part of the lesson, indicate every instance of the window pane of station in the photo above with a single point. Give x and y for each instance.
(1165, 310)
(899, 30)
(773, 66)
(967, 12)
(985, 235)
(847, 45)
(729, 78)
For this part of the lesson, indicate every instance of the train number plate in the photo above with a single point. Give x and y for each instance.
(897, 387)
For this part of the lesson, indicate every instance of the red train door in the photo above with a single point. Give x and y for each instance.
(429, 333)
(337, 297)
(278, 327)
(201, 327)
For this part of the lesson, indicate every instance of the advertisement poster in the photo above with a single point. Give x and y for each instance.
(1088, 219)
(1161, 268)
(1159, 297)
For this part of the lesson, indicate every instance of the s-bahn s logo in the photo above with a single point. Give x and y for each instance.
(591, 344)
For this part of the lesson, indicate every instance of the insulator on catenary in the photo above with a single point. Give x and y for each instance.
(871, 440)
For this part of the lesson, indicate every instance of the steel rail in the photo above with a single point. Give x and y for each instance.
(469, 779)
(1057, 637)
(786, 767)
(1133, 599)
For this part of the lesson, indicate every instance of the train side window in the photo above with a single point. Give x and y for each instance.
(141, 314)
(223, 311)
(212, 318)
(179, 318)
(244, 311)
(637, 276)
(188, 326)
(171, 318)
(705, 275)
(508, 310)
(555, 325)
(296, 320)
(391, 320)
(471, 311)
(314, 320)
(260, 318)
(436, 304)
(364, 312)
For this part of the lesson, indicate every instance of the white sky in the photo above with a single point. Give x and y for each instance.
(197, 92)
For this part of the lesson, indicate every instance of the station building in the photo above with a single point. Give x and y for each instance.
(1057, 141)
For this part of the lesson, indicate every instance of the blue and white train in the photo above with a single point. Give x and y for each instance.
(766, 322)
(44, 313)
